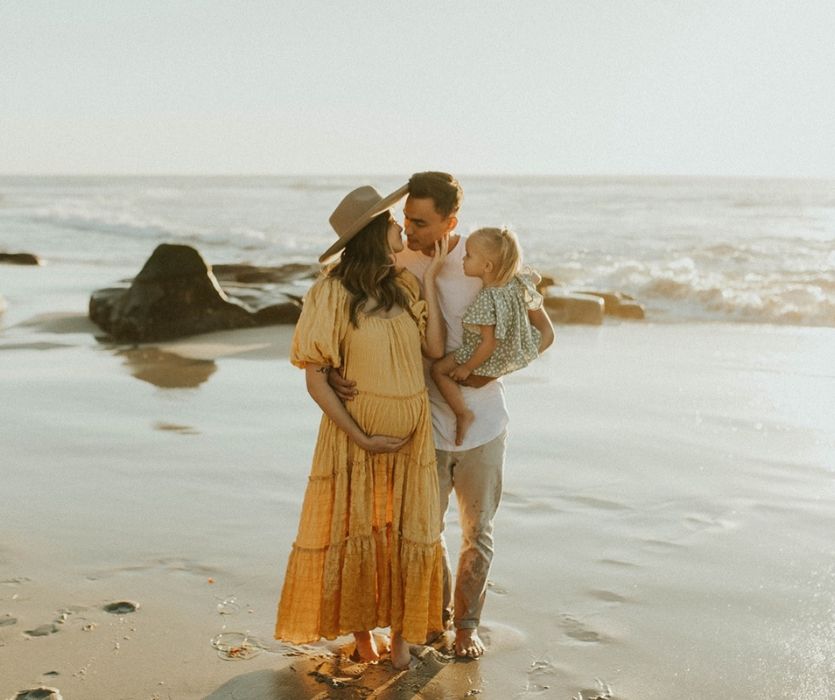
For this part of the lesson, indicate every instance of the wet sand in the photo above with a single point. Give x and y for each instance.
(665, 530)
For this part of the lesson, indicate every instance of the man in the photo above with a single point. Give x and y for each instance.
(474, 468)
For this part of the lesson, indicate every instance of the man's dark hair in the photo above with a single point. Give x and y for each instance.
(442, 188)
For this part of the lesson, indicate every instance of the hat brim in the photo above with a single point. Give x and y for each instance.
(385, 203)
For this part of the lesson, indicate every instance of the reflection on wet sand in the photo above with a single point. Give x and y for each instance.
(165, 369)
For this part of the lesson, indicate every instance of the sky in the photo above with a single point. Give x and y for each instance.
(551, 87)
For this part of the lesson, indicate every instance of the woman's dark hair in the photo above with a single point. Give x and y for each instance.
(367, 271)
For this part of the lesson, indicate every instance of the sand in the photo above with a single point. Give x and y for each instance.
(665, 529)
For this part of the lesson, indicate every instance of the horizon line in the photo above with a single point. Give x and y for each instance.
(573, 176)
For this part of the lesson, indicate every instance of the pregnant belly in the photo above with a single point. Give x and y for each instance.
(394, 416)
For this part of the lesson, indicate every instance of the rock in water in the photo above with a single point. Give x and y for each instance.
(20, 258)
(174, 295)
(619, 304)
(572, 307)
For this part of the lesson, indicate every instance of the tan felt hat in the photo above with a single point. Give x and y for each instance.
(356, 210)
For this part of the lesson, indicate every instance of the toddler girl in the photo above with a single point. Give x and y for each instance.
(498, 336)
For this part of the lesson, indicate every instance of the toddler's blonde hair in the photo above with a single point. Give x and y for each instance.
(501, 246)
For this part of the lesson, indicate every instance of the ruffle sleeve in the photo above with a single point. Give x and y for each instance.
(321, 326)
(418, 308)
(529, 278)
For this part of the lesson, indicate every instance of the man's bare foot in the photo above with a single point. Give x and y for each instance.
(366, 650)
(400, 655)
(462, 424)
(467, 643)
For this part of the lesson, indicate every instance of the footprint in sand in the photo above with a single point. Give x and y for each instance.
(604, 692)
(542, 675)
(607, 596)
(597, 503)
(702, 522)
(7, 620)
(174, 428)
(42, 631)
(497, 636)
(494, 587)
(579, 631)
(659, 545)
(619, 563)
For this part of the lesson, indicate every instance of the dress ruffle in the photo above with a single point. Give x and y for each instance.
(348, 572)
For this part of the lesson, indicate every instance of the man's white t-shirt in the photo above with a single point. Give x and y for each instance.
(456, 292)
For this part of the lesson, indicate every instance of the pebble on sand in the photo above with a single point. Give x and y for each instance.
(42, 692)
(121, 607)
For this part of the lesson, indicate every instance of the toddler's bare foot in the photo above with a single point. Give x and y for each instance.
(467, 643)
(400, 655)
(366, 650)
(463, 422)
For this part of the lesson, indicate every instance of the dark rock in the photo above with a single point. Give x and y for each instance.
(40, 693)
(288, 312)
(573, 307)
(121, 607)
(177, 294)
(20, 258)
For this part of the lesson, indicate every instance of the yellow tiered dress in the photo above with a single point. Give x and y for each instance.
(368, 551)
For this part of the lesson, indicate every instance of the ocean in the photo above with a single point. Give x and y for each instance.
(689, 249)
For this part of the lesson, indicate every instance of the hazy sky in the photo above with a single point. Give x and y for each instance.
(706, 87)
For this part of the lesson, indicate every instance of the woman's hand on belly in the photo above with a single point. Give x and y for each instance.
(377, 444)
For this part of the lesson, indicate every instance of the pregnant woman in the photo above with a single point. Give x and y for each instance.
(368, 551)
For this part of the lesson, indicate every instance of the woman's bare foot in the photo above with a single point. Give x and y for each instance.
(463, 422)
(366, 650)
(467, 643)
(400, 655)
(383, 643)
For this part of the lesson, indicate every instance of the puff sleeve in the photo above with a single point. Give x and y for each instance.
(418, 309)
(483, 312)
(321, 326)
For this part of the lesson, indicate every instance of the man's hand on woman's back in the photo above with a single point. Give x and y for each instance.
(345, 389)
